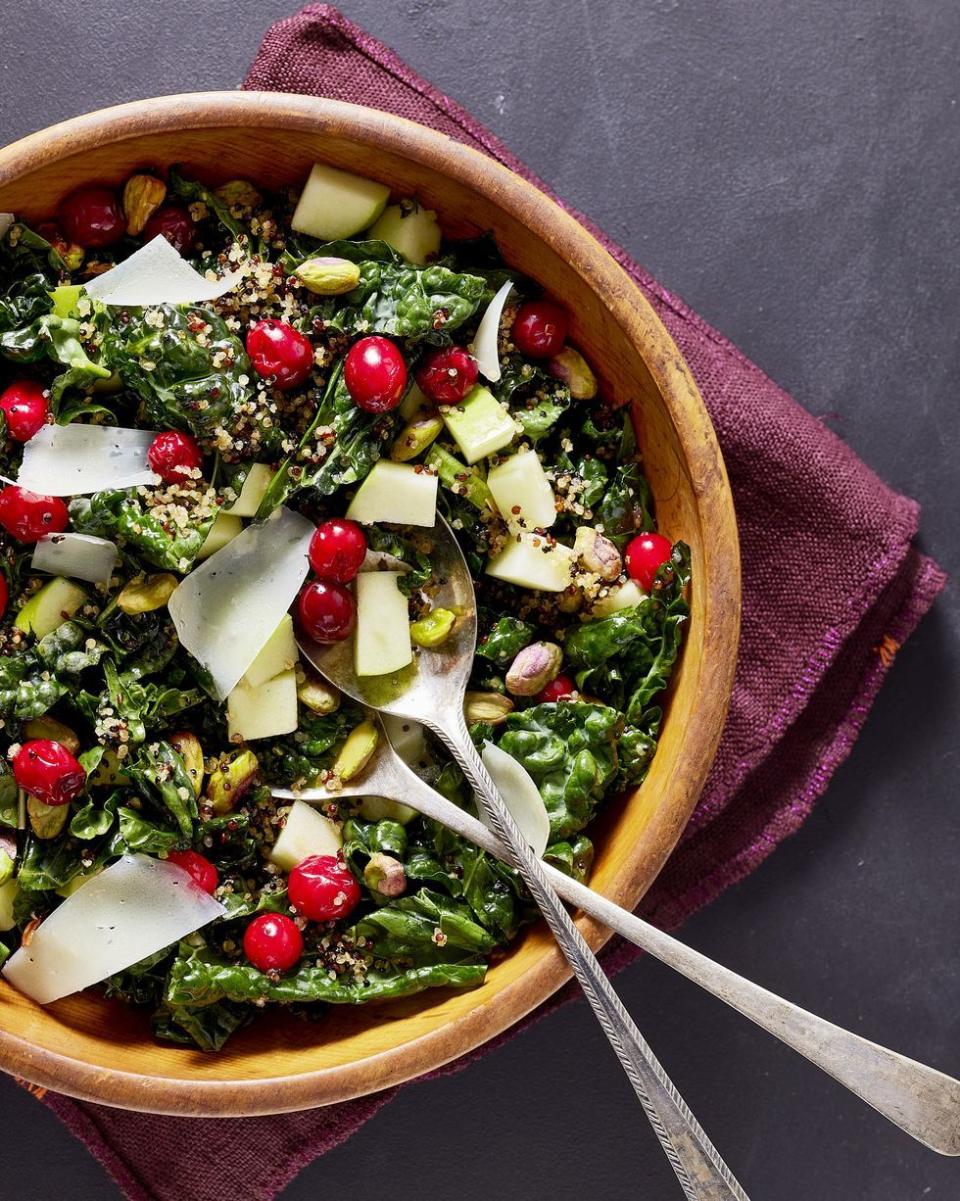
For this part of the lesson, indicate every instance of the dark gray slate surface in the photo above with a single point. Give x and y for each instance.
(792, 171)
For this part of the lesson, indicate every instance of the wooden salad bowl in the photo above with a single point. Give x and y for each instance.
(103, 1051)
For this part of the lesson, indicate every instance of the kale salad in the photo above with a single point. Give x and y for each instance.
(228, 419)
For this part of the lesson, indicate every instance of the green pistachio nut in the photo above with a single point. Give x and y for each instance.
(328, 276)
(533, 668)
(434, 629)
(414, 438)
(492, 708)
(319, 696)
(357, 751)
(239, 194)
(46, 821)
(385, 875)
(147, 593)
(188, 747)
(597, 553)
(229, 783)
(572, 368)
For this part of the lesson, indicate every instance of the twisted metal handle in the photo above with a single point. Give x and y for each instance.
(701, 1171)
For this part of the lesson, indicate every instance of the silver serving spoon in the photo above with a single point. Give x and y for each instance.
(432, 693)
(920, 1100)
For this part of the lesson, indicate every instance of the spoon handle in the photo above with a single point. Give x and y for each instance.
(702, 1173)
(919, 1099)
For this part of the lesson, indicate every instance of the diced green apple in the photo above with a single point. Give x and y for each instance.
(529, 561)
(522, 491)
(266, 711)
(479, 425)
(396, 492)
(412, 231)
(224, 530)
(415, 400)
(254, 487)
(306, 832)
(383, 625)
(624, 596)
(65, 299)
(278, 654)
(49, 608)
(336, 204)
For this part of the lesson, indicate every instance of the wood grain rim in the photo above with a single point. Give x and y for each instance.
(719, 615)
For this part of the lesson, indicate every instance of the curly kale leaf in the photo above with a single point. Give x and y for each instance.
(191, 191)
(9, 804)
(408, 550)
(536, 400)
(56, 338)
(189, 371)
(141, 984)
(570, 750)
(369, 250)
(32, 681)
(406, 929)
(207, 1027)
(23, 300)
(404, 301)
(202, 977)
(574, 858)
(160, 774)
(121, 514)
(504, 641)
(626, 659)
(352, 444)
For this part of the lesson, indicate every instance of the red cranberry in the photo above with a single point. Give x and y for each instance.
(25, 408)
(273, 942)
(27, 516)
(176, 225)
(4, 594)
(323, 888)
(560, 689)
(198, 867)
(337, 549)
(326, 612)
(447, 375)
(48, 771)
(540, 329)
(93, 217)
(280, 352)
(172, 455)
(644, 555)
(375, 374)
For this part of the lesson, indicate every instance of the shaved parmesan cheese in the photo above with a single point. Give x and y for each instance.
(227, 609)
(520, 795)
(75, 460)
(156, 274)
(484, 348)
(79, 556)
(133, 909)
(6, 220)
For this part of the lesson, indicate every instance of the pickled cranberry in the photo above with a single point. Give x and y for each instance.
(326, 611)
(93, 217)
(281, 353)
(25, 409)
(176, 225)
(337, 549)
(560, 689)
(375, 374)
(273, 942)
(447, 375)
(540, 329)
(198, 867)
(644, 555)
(173, 455)
(48, 771)
(27, 516)
(323, 888)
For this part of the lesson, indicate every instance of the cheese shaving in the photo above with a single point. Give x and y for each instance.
(156, 274)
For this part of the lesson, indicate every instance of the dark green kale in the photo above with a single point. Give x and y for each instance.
(313, 748)
(122, 515)
(34, 679)
(504, 640)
